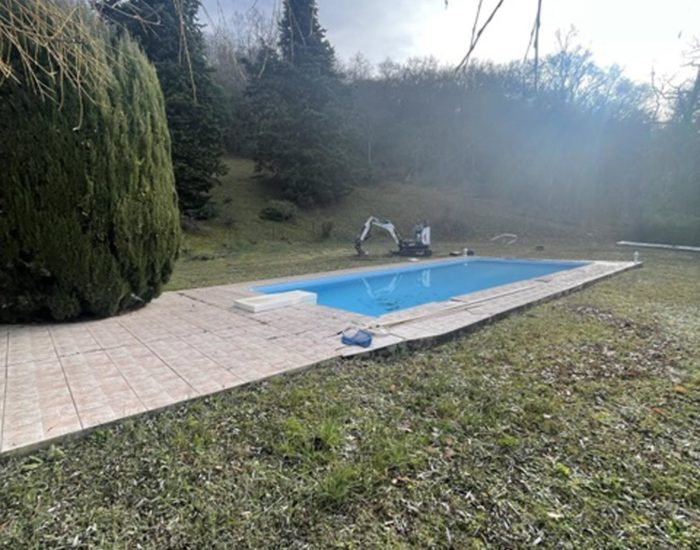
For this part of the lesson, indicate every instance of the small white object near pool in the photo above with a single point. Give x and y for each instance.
(256, 304)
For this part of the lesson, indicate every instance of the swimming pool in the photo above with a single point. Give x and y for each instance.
(382, 291)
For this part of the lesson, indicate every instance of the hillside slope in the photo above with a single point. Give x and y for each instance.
(452, 213)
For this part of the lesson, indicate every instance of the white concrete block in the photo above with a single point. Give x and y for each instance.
(266, 302)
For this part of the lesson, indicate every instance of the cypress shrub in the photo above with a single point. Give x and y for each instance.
(89, 223)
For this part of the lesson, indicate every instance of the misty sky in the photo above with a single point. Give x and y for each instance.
(637, 34)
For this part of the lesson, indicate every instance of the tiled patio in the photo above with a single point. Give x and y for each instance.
(65, 378)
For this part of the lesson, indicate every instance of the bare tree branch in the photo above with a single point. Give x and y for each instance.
(538, 23)
(529, 43)
(475, 41)
(692, 100)
(476, 22)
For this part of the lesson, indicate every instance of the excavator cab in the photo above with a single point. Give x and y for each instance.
(418, 246)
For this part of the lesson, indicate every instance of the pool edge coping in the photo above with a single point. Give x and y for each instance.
(424, 342)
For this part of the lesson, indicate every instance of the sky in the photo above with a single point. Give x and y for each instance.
(638, 35)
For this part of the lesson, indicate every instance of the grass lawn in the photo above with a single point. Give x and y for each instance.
(573, 424)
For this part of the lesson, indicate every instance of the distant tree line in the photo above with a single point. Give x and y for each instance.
(586, 146)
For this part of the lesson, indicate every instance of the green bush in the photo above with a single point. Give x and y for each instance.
(88, 210)
(279, 211)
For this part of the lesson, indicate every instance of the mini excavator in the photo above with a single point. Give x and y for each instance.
(418, 246)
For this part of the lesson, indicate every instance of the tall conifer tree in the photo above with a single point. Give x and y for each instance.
(300, 112)
(302, 39)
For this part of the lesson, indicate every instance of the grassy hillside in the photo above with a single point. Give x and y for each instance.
(237, 245)
(453, 213)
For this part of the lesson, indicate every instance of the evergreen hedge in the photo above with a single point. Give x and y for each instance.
(89, 223)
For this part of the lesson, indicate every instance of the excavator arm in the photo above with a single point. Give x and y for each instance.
(366, 232)
(418, 246)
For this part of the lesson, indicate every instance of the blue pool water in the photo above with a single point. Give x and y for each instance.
(378, 292)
